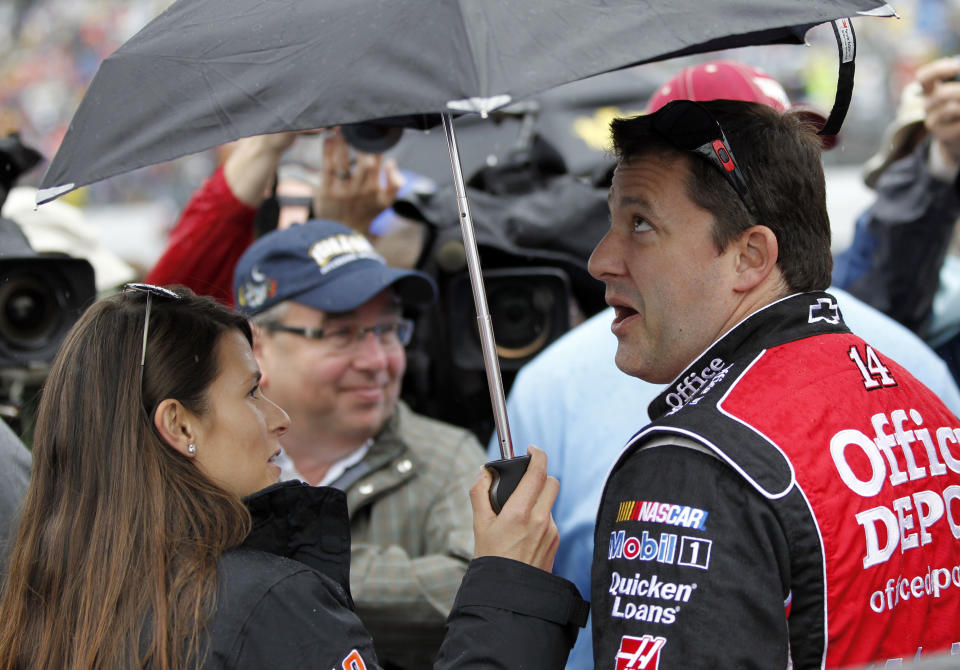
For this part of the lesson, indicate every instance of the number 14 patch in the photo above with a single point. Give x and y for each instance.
(875, 374)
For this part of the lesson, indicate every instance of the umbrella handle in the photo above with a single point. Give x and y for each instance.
(491, 361)
(506, 475)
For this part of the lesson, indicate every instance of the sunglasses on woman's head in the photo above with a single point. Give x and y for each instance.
(688, 126)
(151, 291)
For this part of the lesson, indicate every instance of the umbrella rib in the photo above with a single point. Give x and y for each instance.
(482, 83)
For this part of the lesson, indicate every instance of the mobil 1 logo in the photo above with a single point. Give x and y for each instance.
(665, 548)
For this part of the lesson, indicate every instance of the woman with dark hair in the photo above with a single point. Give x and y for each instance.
(154, 535)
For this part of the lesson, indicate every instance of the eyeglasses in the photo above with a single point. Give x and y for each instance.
(396, 334)
(689, 126)
(151, 291)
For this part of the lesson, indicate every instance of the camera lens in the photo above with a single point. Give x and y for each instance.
(529, 309)
(521, 319)
(29, 312)
(371, 138)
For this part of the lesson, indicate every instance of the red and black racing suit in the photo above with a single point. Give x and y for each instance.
(797, 497)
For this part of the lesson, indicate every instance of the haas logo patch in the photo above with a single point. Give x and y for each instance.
(640, 653)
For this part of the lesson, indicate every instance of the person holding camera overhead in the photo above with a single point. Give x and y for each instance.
(247, 196)
(154, 534)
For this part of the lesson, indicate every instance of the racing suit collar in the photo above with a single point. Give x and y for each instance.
(788, 319)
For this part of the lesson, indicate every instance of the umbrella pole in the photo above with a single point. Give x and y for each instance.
(491, 361)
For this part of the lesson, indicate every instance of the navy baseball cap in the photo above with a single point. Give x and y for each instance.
(324, 265)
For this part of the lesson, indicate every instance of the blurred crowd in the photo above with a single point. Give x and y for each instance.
(361, 330)
(48, 56)
(52, 48)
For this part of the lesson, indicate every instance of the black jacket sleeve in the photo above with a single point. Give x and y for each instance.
(510, 615)
(911, 224)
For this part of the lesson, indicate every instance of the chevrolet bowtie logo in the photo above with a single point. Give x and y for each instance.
(824, 310)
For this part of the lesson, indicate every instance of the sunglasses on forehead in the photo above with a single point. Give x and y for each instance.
(151, 292)
(688, 126)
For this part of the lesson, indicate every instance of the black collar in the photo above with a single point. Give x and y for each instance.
(791, 318)
(305, 523)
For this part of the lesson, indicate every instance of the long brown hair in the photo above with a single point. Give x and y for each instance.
(114, 564)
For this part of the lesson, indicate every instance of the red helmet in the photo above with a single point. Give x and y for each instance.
(730, 80)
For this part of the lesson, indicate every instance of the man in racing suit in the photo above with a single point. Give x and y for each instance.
(796, 499)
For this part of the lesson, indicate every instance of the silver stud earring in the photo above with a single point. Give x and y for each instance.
(191, 449)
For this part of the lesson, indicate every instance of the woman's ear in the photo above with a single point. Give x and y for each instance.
(176, 426)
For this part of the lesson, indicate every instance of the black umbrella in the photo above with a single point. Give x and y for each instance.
(573, 118)
(207, 72)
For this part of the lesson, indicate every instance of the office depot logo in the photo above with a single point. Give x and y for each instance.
(871, 464)
(696, 383)
(639, 653)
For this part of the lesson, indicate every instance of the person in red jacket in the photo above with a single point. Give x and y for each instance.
(217, 224)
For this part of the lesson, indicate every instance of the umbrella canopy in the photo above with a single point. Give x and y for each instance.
(207, 72)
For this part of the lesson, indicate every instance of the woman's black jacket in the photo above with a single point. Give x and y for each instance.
(284, 599)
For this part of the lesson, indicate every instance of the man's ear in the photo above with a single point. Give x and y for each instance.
(177, 426)
(756, 257)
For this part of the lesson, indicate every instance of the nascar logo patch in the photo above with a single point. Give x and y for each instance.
(659, 512)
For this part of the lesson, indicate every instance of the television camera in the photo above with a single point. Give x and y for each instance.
(41, 297)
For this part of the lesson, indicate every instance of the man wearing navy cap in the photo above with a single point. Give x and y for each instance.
(330, 342)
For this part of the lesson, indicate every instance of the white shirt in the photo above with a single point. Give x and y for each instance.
(289, 471)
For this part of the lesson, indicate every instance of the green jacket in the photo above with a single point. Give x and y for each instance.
(411, 530)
